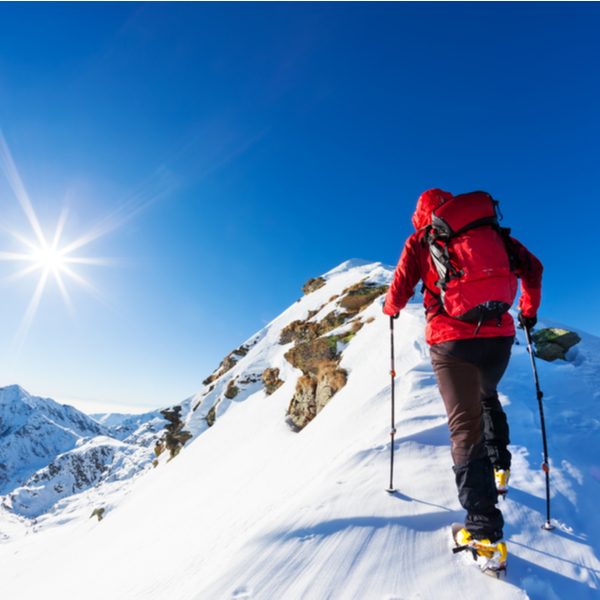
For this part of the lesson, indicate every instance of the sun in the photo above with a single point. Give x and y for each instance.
(48, 256)
(49, 259)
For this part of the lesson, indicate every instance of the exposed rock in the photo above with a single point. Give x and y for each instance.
(302, 409)
(271, 381)
(210, 378)
(232, 390)
(361, 295)
(175, 437)
(565, 339)
(211, 417)
(549, 351)
(299, 331)
(317, 356)
(228, 363)
(332, 321)
(98, 512)
(309, 356)
(314, 391)
(312, 285)
(552, 343)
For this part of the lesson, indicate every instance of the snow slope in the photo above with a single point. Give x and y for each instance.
(251, 509)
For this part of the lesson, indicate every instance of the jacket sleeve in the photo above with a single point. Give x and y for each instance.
(529, 269)
(406, 277)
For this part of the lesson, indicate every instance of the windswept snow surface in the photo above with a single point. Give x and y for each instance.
(252, 510)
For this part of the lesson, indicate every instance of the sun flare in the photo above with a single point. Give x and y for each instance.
(46, 255)
(49, 258)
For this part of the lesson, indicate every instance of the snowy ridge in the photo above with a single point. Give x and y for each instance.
(33, 431)
(50, 452)
(101, 459)
(251, 509)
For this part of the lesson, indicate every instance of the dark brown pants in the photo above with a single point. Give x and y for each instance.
(468, 372)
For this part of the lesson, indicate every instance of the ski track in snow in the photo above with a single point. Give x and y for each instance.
(253, 510)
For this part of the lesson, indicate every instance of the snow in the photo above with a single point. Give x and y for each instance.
(251, 509)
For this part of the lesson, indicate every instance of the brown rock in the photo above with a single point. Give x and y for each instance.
(309, 356)
(312, 285)
(313, 393)
(271, 381)
(298, 331)
(361, 295)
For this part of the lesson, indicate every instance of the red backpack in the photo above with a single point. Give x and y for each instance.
(473, 257)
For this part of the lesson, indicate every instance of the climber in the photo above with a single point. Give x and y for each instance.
(469, 268)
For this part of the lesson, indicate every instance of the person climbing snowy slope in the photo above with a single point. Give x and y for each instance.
(469, 268)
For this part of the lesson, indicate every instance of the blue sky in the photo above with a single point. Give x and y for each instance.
(229, 151)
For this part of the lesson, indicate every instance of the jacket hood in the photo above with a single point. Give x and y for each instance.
(428, 201)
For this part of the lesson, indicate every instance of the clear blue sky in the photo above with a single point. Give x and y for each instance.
(230, 151)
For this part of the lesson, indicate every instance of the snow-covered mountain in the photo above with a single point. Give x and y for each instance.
(279, 493)
(49, 451)
(33, 431)
(122, 427)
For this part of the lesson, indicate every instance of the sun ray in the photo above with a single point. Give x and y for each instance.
(151, 193)
(86, 284)
(12, 175)
(27, 320)
(19, 274)
(14, 256)
(64, 292)
(103, 262)
(59, 227)
(22, 239)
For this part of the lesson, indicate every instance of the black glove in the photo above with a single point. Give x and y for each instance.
(527, 322)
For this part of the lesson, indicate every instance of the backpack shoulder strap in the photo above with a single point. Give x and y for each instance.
(440, 255)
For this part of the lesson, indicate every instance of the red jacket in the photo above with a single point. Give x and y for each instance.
(415, 265)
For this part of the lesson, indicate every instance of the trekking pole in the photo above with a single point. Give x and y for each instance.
(545, 465)
(391, 489)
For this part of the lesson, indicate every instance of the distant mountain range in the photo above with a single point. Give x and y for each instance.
(49, 451)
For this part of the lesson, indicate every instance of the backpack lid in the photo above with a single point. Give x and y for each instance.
(464, 212)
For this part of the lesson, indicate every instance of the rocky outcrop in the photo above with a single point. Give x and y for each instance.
(552, 343)
(309, 356)
(312, 285)
(314, 391)
(228, 363)
(232, 390)
(271, 381)
(361, 295)
(175, 436)
(211, 416)
(318, 360)
(299, 331)
(317, 354)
